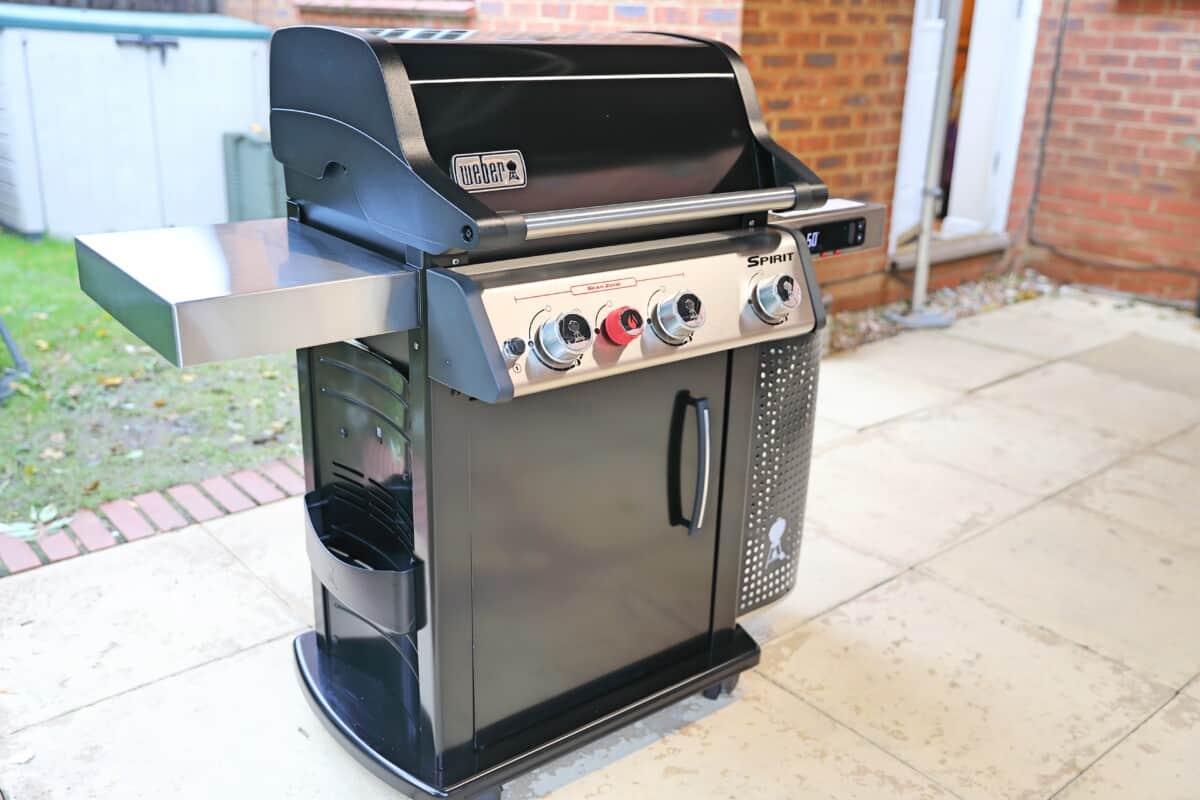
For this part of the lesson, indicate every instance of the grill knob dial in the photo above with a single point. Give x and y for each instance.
(561, 341)
(623, 325)
(774, 297)
(676, 319)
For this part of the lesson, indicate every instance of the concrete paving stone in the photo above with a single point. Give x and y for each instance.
(1045, 328)
(765, 743)
(76, 632)
(193, 501)
(827, 433)
(226, 494)
(860, 395)
(235, 728)
(91, 531)
(1159, 760)
(1147, 491)
(161, 513)
(1184, 447)
(913, 508)
(1015, 446)
(1122, 592)
(1100, 400)
(1154, 362)
(58, 546)
(269, 540)
(829, 574)
(127, 520)
(255, 485)
(985, 704)
(942, 360)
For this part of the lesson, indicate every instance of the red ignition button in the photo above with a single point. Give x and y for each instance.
(623, 325)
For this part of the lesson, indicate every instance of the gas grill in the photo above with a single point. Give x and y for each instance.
(557, 377)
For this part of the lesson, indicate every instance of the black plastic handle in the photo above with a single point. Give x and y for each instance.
(703, 463)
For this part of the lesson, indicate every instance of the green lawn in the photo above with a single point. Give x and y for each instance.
(103, 416)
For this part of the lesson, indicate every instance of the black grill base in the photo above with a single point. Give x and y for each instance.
(374, 744)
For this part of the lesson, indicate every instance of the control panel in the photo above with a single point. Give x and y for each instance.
(567, 328)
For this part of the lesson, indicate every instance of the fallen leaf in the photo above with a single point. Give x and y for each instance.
(101, 333)
(50, 454)
(159, 403)
(91, 487)
(41, 344)
(187, 377)
(269, 374)
(111, 381)
(74, 390)
(30, 470)
(20, 388)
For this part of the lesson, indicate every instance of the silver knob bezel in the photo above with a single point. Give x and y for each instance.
(669, 325)
(553, 350)
(767, 302)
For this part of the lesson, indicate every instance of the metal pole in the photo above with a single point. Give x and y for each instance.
(918, 316)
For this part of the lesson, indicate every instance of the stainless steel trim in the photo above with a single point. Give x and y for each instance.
(218, 292)
(573, 221)
(834, 210)
(705, 422)
(542, 78)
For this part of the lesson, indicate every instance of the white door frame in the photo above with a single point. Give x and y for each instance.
(996, 85)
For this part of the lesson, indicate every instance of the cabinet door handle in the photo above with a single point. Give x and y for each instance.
(703, 463)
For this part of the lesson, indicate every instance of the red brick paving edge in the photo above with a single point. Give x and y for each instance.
(151, 513)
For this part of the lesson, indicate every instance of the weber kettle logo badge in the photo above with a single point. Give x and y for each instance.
(775, 536)
(487, 172)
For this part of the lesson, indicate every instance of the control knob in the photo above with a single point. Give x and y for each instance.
(623, 325)
(677, 318)
(774, 297)
(560, 342)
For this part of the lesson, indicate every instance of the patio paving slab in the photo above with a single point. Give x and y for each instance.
(826, 432)
(1184, 447)
(269, 541)
(941, 360)
(1020, 448)
(1151, 361)
(1147, 491)
(987, 705)
(830, 573)
(1125, 593)
(79, 631)
(1105, 402)
(1159, 760)
(767, 744)
(1051, 327)
(235, 728)
(860, 395)
(895, 520)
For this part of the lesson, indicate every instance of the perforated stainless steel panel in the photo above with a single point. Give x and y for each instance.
(785, 407)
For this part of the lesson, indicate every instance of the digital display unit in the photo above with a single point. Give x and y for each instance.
(833, 236)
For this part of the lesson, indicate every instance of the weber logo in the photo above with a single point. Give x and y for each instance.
(487, 172)
(762, 261)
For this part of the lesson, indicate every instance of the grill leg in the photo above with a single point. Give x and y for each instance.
(724, 687)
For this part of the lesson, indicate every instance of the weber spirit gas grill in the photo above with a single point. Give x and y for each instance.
(557, 377)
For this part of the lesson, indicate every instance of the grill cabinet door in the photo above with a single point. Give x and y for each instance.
(585, 576)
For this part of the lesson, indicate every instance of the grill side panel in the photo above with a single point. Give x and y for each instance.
(785, 399)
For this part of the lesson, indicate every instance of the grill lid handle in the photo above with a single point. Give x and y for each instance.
(596, 219)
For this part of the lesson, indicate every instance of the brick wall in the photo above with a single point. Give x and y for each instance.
(1120, 182)
(830, 77)
(717, 19)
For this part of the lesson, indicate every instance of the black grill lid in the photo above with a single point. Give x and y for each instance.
(445, 142)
